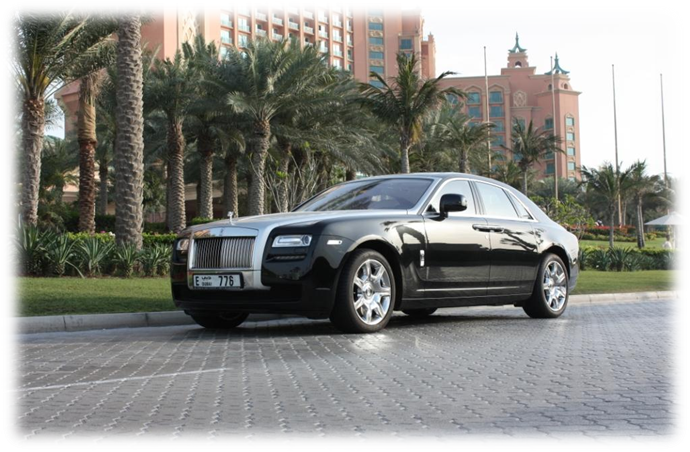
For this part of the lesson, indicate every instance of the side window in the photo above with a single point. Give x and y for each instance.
(496, 202)
(522, 212)
(456, 187)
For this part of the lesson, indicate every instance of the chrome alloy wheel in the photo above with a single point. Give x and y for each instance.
(371, 292)
(555, 286)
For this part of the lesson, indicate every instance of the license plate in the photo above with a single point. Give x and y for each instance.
(230, 281)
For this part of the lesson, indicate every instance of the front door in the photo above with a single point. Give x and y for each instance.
(457, 254)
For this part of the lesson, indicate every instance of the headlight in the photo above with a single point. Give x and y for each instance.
(288, 241)
(182, 245)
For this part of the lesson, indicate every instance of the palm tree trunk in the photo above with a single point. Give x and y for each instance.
(168, 191)
(129, 149)
(86, 134)
(640, 225)
(103, 188)
(350, 174)
(405, 154)
(9, 156)
(178, 217)
(33, 128)
(259, 151)
(463, 167)
(205, 202)
(230, 185)
(613, 220)
(283, 193)
(301, 160)
(524, 182)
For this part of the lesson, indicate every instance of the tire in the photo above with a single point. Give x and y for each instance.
(419, 313)
(550, 296)
(220, 321)
(365, 297)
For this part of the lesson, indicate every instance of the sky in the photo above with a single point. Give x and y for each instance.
(642, 41)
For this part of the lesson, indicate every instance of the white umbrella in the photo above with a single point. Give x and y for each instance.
(672, 219)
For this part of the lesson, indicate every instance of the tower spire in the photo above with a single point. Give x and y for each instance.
(516, 48)
(557, 69)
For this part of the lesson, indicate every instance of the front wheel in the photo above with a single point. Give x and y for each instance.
(220, 321)
(550, 296)
(366, 293)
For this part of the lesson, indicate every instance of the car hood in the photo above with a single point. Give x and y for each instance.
(290, 218)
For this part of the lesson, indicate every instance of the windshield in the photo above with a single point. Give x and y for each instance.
(388, 194)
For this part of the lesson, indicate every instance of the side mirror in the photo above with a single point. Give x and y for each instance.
(452, 203)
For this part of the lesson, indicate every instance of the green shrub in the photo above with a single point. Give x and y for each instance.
(125, 258)
(600, 259)
(200, 220)
(31, 249)
(61, 255)
(154, 260)
(156, 228)
(93, 252)
(159, 239)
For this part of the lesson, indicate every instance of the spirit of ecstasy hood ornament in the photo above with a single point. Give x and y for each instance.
(230, 216)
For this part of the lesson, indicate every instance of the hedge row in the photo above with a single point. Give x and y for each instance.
(625, 259)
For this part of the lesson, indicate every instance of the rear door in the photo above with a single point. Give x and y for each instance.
(514, 253)
(457, 254)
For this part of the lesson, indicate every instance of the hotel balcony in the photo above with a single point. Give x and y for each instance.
(293, 25)
(309, 30)
(338, 24)
(244, 27)
(323, 34)
(261, 16)
(337, 38)
(308, 14)
(260, 32)
(323, 49)
(349, 42)
(323, 19)
(337, 53)
(277, 36)
(226, 23)
(277, 20)
(349, 27)
(226, 40)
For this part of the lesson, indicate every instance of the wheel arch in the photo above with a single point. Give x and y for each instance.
(390, 253)
(560, 252)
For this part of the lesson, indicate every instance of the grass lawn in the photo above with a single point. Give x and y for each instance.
(652, 244)
(61, 296)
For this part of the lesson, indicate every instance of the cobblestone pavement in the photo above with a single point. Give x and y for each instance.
(600, 370)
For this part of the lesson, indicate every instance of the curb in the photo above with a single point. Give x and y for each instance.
(70, 323)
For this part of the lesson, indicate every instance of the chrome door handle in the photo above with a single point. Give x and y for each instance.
(495, 228)
(481, 227)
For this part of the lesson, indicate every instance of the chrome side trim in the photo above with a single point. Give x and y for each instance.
(467, 288)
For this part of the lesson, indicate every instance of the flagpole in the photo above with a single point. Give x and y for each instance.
(663, 127)
(555, 132)
(486, 109)
(615, 135)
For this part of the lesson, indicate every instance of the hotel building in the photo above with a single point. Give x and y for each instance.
(521, 94)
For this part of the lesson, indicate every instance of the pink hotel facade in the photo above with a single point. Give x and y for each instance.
(519, 93)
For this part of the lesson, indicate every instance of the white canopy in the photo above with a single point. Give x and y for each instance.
(672, 219)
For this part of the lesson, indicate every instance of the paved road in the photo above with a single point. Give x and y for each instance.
(600, 370)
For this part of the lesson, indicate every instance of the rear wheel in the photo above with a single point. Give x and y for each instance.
(419, 313)
(366, 293)
(550, 296)
(220, 321)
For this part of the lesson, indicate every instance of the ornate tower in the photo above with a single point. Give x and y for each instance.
(517, 56)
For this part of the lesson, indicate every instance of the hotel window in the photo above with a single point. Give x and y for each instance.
(570, 121)
(548, 123)
(243, 24)
(405, 44)
(570, 136)
(375, 26)
(496, 111)
(377, 69)
(243, 40)
(349, 54)
(376, 41)
(225, 37)
(517, 157)
(223, 52)
(496, 97)
(499, 126)
(549, 168)
(376, 83)
(497, 140)
(337, 64)
(548, 156)
(376, 55)
(571, 166)
(337, 50)
(520, 121)
(225, 20)
(474, 112)
(571, 150)
(452, 99)
(473, 98)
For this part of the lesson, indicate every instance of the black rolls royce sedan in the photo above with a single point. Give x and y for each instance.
(362, 249)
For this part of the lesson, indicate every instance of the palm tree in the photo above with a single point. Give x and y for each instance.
(262, 82)
(129, 149)
(465, 137)
(52, 50)
(171, 90)
(530, 146)
(509, 173)
(12, 127)
(406, 101)
(605, 184)
(640, 188)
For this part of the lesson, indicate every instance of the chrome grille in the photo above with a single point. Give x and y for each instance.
(223, 252)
